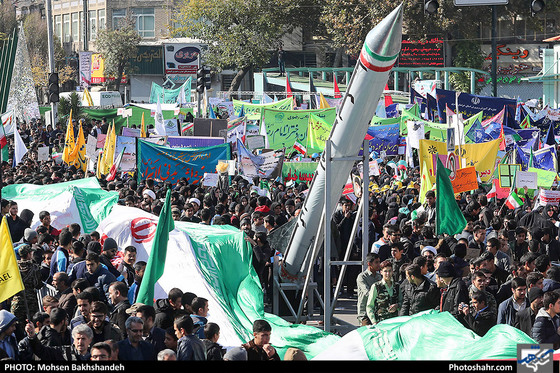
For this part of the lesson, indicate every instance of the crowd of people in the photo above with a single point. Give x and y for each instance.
(502, 269)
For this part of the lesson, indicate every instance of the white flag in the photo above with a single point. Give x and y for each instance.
(19, 148)
(159, 125)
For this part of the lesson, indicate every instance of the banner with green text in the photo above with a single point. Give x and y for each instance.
(285, 127)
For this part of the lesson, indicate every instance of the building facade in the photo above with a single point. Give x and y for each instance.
(76, 33)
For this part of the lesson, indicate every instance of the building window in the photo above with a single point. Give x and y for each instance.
(145, 21)
(118, 16)
(66, 28)
(75, 27)
(102, 22)
(58, 27)
(92, 25)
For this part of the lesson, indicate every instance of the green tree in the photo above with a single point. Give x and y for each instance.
(116, 46)
(74, 103)
(240, 34)
(8, 20)
(348, 22)
(467, 54)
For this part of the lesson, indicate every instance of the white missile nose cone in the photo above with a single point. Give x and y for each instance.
(385, 39)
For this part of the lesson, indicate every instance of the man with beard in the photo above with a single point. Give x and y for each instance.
(103, 329)
(429, 252)
(525, 318)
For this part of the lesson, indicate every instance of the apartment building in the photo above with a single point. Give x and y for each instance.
(151, 19)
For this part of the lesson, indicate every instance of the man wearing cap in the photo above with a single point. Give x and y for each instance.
(453, 289)
(189, 213)
(195, 203)
(430, 252)
(110, 248)
(525, 318)
(149, 196)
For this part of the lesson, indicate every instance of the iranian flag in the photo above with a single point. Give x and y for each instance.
(514, 201)
(115, 168)
(3, 138)
(300, 148)
(493, 193)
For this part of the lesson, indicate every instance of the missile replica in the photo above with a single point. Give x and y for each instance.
(369, 78)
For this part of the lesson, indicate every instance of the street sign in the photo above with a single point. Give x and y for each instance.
(479, 2)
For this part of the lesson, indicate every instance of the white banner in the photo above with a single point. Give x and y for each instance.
(549, 197)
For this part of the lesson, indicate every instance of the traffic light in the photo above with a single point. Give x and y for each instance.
(203, 80)
(431, 6)
(207, 78)
(200, 80)
(53, 87)
(537, 6)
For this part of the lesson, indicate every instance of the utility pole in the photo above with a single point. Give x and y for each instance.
(85, 10)
(52, 66)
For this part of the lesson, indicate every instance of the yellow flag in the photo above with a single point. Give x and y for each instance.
(109, 150)
(10, 277)
(480, 155)
(79, 153)
(143, 127)
(69, 142)
(323, 104)
(98, 173)
(425, 183)
(87, 97)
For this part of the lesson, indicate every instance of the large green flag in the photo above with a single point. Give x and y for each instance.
(318, 132)
(156, 261)
(449, 218)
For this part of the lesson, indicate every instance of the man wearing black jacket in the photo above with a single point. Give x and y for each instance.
(454, 291)
(419, 293)
(481, 319)
(525, 319)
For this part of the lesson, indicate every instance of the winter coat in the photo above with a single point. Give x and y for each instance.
(10, 342)
(506, 312)
(31, 277)
(524, 320)
(101, 279)
(50, 337)
(118, 316)
(480, 322)
(214, 351)
(165, 314)
(190, 347)
(545, 329)
(424, 297)
(455, 294)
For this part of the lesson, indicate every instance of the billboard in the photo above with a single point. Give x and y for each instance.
(181, 58)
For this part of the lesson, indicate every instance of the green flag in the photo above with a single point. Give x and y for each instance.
(449, 218)
(156, 261)
(318, 132)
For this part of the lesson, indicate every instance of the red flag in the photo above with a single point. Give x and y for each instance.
(288, 87)
(337, 93)
(388, 98)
